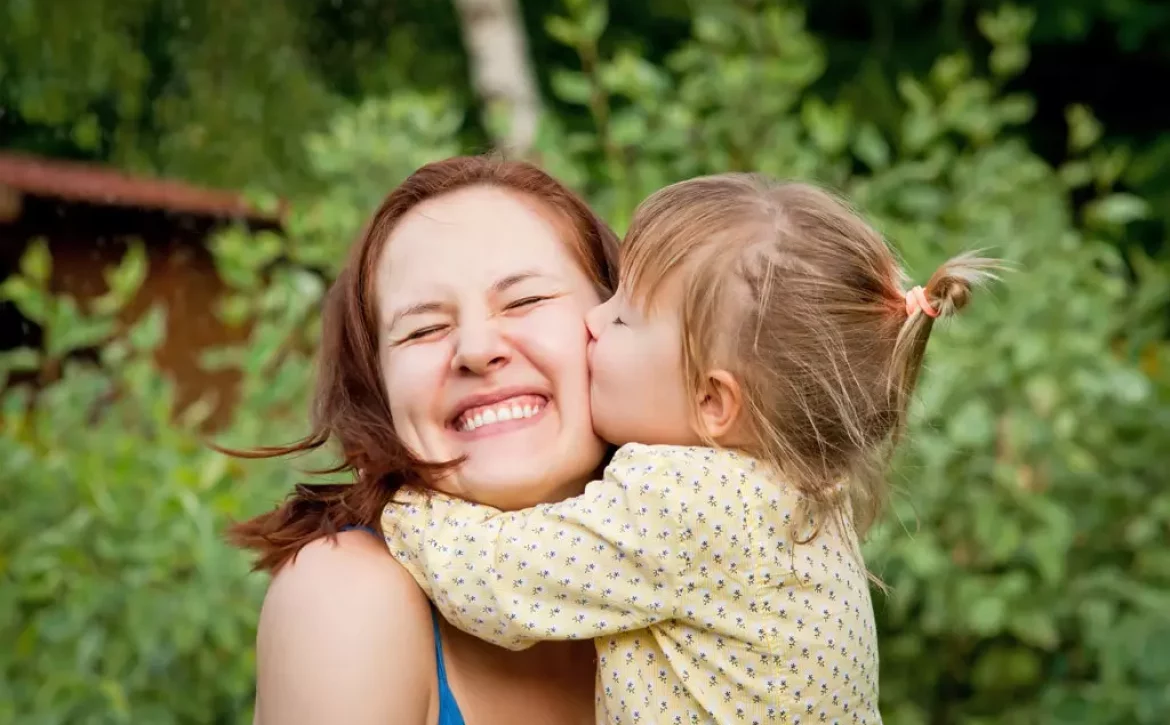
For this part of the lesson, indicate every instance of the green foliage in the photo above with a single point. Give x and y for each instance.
(113, 572)
(1025, 551)
(220, 92)
(215, 92)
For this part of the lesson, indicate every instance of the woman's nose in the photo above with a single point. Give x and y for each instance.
(480, 349)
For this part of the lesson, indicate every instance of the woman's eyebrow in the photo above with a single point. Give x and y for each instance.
(421, 308)
(501, 285)
(504, 283)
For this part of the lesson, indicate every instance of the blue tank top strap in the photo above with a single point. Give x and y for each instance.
(449, 713)
(367, 529)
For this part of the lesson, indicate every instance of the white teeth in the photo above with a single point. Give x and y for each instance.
(502, 413)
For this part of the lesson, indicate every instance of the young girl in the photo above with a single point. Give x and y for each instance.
(754, 367)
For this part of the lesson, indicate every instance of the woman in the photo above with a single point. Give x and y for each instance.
(466, 295)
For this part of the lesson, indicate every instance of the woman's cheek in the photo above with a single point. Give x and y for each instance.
(414, 377)
(559, 335)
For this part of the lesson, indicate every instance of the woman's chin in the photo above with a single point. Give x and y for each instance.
(532, 477)
(515, 493)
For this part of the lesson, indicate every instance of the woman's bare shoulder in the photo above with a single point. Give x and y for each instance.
(345, 636)
(356, 561)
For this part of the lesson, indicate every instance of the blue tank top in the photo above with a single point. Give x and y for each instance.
(449, 713)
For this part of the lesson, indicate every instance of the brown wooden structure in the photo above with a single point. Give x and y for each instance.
(88, 214)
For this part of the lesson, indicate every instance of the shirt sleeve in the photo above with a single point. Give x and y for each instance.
(605, 562)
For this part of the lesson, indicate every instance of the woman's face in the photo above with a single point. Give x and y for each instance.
(482, 336)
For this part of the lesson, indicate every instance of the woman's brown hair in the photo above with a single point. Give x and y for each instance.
(350, 405)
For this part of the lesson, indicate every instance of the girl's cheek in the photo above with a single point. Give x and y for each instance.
(601, 362)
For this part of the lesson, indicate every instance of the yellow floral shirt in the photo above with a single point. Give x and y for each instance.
(681, 564)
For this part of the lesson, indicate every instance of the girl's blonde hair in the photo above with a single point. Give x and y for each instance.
(790, 290)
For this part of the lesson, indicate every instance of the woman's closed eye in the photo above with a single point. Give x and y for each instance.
(619, 322)
(423, 332)
(525, 302)
(430, 331)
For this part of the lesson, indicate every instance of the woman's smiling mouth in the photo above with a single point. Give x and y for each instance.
(501, 414)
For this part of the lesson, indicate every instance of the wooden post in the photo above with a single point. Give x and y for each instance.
(501, 70)
(11, 203)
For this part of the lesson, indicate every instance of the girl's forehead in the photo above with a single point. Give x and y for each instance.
(655, 290)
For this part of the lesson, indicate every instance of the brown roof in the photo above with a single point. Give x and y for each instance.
(105, 186)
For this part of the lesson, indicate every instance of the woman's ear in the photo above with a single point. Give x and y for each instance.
(720, 404)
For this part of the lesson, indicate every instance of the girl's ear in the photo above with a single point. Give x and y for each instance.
(720, 404)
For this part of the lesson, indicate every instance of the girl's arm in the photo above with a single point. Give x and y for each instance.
(611, 560)
(327, 651)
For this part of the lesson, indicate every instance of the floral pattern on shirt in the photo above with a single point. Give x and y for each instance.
(681, 564)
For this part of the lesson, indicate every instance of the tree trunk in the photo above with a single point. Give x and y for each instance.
(501, 71)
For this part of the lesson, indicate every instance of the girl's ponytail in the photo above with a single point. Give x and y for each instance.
(946, 293)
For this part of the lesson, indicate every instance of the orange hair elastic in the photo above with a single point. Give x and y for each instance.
(916, 300)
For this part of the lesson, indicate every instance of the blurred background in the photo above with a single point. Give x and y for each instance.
(180, 179)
